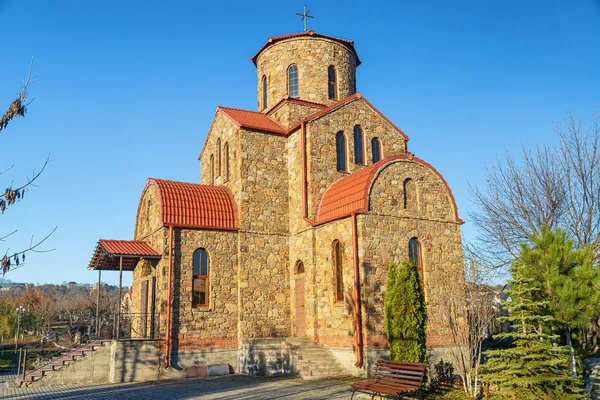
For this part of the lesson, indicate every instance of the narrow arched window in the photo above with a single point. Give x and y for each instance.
(376, 150)
(409, 193)
(293, 81)
(226, 155)
(200, 281)
(340, 148)
(299, 267)
(218, 157)
(338, 271)
(332, 82)
(264, 92)
(359, 148)
(148, 212)
(414, 253)
(212, 169)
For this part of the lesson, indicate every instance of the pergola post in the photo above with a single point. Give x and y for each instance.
(98, 305)
(119, 302)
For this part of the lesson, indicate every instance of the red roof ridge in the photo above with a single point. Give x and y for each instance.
(350, 194)
(287, 98)
(340, 103)
(252, 120)
(274, 39)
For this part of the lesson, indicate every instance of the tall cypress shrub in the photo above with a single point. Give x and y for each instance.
(405, 313)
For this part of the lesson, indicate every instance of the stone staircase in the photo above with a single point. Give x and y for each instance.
(314, 361)
(58, 363)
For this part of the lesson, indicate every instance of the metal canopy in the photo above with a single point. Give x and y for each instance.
(109, 253)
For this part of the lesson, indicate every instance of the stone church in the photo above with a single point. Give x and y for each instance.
(285, 243)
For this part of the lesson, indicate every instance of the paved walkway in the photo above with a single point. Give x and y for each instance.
(218, 388)
(593, 382)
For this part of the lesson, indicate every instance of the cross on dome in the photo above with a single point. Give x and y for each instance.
(305, 16)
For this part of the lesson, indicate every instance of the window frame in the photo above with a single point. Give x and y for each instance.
(361, 140)
(289, 81)
(332, 84)
(212, 169)
(297, 266)
(405, 192)
(226, 154)
(265, 92)
(338, 271)
(419, 254)
(344, 156)
(200, 276)
(376, 140)
(218, 157)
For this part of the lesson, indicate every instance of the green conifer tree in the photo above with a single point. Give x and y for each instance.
(568, 278)
(531, 368)
(405, 313)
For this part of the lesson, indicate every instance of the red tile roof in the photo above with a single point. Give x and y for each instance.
(190, 205)
(108, 254)
(272, 40)
(252, 120)
(350, 194)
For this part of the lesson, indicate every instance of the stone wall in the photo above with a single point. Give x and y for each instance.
(264, 294)
(334, 320)
(226, 131)
(384, 234)
(263, 204)
(321, 145)
(148, 229)
(215, 326)
(292, 112)
(313, 56)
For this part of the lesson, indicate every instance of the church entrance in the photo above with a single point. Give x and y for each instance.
(300, 316)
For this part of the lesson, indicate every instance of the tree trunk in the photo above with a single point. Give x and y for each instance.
(571, 352)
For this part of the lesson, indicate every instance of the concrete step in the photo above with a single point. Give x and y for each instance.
(314, 360)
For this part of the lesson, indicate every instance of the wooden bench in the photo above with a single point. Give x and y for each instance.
(393, 379)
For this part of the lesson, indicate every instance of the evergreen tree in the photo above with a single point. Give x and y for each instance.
(568, 278)
(531, 368)
(405, 313)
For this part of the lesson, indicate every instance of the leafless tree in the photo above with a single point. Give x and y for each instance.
(12, 195)
(470, 317)
(557, 185)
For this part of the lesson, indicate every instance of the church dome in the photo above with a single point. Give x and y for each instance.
(306, 65)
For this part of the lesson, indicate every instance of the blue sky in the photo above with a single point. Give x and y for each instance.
(127, 90)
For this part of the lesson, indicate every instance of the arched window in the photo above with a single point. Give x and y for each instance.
(218, 157)
(332, 82)
(338, 271)
(410, 193)
(340, 148)
(293, 80)
(226, 155)
(212, 169)
(148, 212)
(359, 148)
(414, 252)
(299, 267)
(376, 150)
(200, 278)
(264, 92)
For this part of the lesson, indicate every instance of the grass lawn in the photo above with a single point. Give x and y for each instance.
(5, 359)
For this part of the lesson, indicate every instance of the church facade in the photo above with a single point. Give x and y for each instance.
(301, 206)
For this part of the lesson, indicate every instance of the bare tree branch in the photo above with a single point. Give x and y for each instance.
(19, 257)
(557, 185)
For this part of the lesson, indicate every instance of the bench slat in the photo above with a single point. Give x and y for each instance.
(394, 378)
